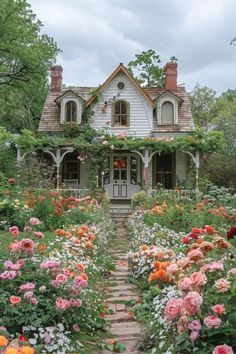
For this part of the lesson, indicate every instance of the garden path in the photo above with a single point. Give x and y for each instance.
(119, 294)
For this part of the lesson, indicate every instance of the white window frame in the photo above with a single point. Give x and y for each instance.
(161, 101)
(79, 109)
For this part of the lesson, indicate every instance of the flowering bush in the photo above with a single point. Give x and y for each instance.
(189, 284)
(44, 284)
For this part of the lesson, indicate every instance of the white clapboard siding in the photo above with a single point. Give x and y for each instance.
(141, 112)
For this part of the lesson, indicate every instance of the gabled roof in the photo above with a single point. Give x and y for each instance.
(170, 93)
(119, 69)
(59, 98)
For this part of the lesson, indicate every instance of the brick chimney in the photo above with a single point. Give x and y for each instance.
(170, 71)
(56, 78)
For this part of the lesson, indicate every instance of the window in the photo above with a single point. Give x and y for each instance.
(164, 169)
(71, 111)
(71, 167)
(133, 170)
(120, 85)
(167, 113)
(121, 114)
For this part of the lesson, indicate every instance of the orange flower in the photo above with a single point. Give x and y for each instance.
(80, 232)
(209, 230)
(10, 350)
(80, 266)
(3, 341)
(164, 265)
(160, 255)
(92, 237)
(26, 350)
(42, 247)
(144, 248)
(196, 230)
(84, 276)
(89, 244)
(156, 264)
(60, 232)
(84, 227)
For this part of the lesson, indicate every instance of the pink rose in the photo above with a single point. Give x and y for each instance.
(212, 321)
(55, 284)
(39, 234)
(76, 327)
(15, 267)
(27, 245)
(185, 284)
(192, 302)
(27, 228)
(198, 279)
(78, 303)
(183, 262)
(223, 349)
(21, 262)
(8, 264)
(173, 309)
(61, 278)
(34, 221)
(195, 255)
(62, 304)
(121, 136)
(232, 271)
(194, 325)
(216, 266)
(172, 269)
(218, 309)
(182, 324)
(27, 287)
(72, 302)
(15, 300)
(15, 233)
(28, 295)
(34, 301)
(13, 228)
(222, 285)
(78, 280)
(194, 335)
(84, 283)
(15, 247)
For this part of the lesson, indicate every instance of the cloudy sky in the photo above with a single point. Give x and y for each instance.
(96, 35)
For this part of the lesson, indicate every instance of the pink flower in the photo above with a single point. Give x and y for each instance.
(223, 349)
(198, 279)
(192, 302)
(28, 295)
(182, 324)
(13, 228)
(183, 262)
(173, 309)
(62, 304)
(194, 335)
(172, 269)
(185, 284)
(121, 136)
(15, 233)
(15, 247)
(14, 300)
(78, 281)
(76, 327)
(195, 255)
(49, 264)
(34, 221)
(212, 321)
(8, 264)
(232, 271)
(27, 286)
(39, 234)
(21, 262)
(61, 278)
(72, 302)
(218, 309)
(27, 228)
(194, 325)
(15, 267)
(9, 275)
(27, 245)
(34, 301)
(78, 303)
(12, 180)
(222, 285)
(216, 266)
(55, 284)
(84, 283)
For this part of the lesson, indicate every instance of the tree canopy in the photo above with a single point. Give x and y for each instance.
(147, 65)
(25, 58)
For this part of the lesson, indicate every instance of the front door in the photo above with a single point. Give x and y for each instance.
(120, 176)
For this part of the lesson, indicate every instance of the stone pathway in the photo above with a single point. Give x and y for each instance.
(119, 293)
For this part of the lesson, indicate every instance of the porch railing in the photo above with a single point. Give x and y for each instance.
(172, 193)
(74, 192)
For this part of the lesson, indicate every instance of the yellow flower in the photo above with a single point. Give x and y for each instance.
(26, 350)
(10, 350)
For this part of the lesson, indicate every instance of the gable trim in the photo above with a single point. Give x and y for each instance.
(119, 69)
(58, 99)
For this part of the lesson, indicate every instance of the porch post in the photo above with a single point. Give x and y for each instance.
(146, 161)
(196, 160)
(58, 162)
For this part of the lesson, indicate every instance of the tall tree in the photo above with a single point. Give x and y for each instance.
(25, 58)
(202, 100)
(147, 65)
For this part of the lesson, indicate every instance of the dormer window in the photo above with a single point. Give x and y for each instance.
(120, 114)
(167, 113)
(70, 112)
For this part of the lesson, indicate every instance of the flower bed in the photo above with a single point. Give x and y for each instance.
(48, 287)
(189, 287)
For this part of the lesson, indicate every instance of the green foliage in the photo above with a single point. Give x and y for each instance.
(147, 64)
(202, 101)
(26, 56)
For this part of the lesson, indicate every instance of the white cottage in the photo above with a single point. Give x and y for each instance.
(130, 110)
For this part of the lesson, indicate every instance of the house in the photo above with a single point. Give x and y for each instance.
(125, 109)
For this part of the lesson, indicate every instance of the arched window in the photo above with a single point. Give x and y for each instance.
(167, 113)
(71, 111)
(121, 114)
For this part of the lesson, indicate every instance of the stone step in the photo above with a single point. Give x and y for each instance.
(120, 293)
(127, 298)
(123, 329)
(120, 316)
(121, 287)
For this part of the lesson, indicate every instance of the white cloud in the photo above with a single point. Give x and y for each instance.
(96, 36)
